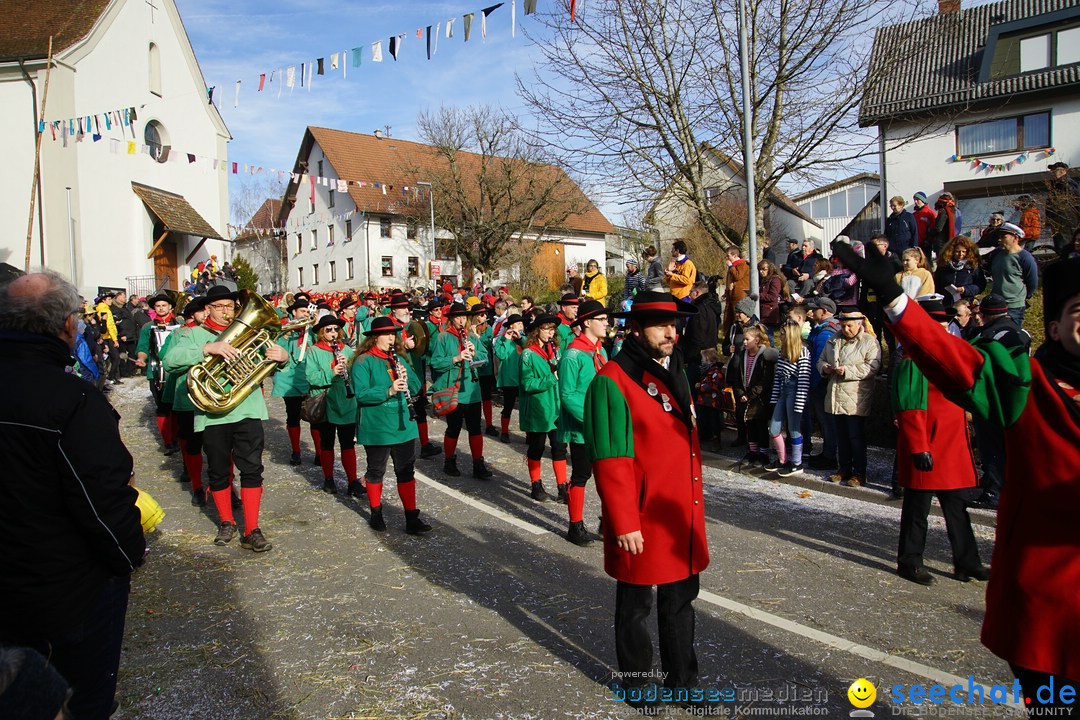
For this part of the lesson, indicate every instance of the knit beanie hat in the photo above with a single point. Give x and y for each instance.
(747, 306)
(920, 196)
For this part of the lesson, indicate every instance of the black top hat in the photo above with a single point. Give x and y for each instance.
(933, 306)
(589, 309)
(569, 299)
(304, 295)
(510, 320)
(193, 306)
(543, 319)
(327, 321)
(460, 309)
(346, 303)
(1061, 281)
(301, 303)
(651, 303)
(219, 292)
(383, 326)
(160, 297)
(398, 300)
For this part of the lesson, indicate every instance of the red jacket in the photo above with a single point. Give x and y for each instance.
(648, 475)
(924, 220)
(1033, 597)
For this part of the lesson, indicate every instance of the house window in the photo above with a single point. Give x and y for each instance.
(319, 166)
(299, 243)
(155, 69)
(331, 201)
(1004, 135)
(838, 204)
(387, 266)
(1035, 53)
(157, 140)
(856, 199)
(314, 239)
(1068, 46)
(414, 267)
(315, 274)
(300, 277)
(348, 269)
(821, 208)
(384, 227)
(333, 272)
(410, 230)
(329, 235)
(311, 205)
(348, 230)
(445, 247)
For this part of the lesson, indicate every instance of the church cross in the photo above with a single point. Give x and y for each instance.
(152, 9)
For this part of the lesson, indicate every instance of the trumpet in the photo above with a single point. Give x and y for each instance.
(397, 371)
(340, 360)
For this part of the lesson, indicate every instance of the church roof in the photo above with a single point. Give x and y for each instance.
(175, 212)
(29, 23)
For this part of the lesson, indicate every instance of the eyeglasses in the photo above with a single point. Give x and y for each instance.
(222, 306)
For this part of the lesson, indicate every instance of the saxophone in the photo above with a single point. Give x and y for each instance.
(217, 386)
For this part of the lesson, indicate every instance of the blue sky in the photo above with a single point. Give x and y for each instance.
(239, 39)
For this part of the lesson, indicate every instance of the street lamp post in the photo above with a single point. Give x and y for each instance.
(748, 154)
(431, 205)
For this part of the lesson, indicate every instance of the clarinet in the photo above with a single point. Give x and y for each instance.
(554, 362)
(397, 371)
(340, 360)
(472, 370)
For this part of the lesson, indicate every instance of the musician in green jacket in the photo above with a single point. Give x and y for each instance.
(539, 411)
(452, 354)
(191, 442)
(292, 385)
(234, 436)
(385, 392)
(326, 370)
(508, 347)
(148, 350)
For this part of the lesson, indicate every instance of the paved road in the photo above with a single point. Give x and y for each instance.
(495, 615)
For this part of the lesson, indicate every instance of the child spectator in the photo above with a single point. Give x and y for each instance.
(790, 387)
(798, 315)
(914, 279)
(750, 376)
(709, 396)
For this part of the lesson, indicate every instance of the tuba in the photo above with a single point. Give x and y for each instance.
(217, 386)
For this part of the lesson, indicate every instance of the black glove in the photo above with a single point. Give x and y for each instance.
(875, 270)
(923, 462)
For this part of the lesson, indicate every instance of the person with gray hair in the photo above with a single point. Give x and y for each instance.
(70, 533)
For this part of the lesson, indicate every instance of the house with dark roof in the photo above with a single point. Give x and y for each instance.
(850, 207)
(672, 216)
(977, 101)
(356, 215)
(128, 195)
(262, 242)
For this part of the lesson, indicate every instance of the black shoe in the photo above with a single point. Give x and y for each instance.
(294, 459)
(538, 492)
(789, 468)
(987, 502)
(772, 465)
(226, 532)
(480, 470)
(492, 431)
(504, 437)
(356, 489)
(980, 573)
(317, 460)
(329, 487)
(430, 450)
(376, 520)
(254, 540)
(413, 524)
(916, 575)
(748, 459)
(564, 494)
(897, 493)
(449, 467)
(184, 478)
(171, 449)
(578, 535)
(198, 498)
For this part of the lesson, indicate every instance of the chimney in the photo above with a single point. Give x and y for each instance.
(378, 134)
(948, 6)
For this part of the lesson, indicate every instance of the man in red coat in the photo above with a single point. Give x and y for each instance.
(933, 455)
(1033, 597)
(641, 437)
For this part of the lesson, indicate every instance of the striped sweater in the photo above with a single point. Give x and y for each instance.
(798, 372)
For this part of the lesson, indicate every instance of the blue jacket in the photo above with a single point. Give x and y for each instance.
(819, 336)
(88, 369)
(902, 231)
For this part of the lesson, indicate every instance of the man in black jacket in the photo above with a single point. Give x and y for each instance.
(127, 333)
(70, 533)
(700, 331)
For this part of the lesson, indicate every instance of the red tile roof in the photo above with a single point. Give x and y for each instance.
(29, 23)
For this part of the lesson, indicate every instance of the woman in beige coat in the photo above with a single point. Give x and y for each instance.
(849, 363)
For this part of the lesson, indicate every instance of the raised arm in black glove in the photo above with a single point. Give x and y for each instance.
(923, 462)
(875, 271)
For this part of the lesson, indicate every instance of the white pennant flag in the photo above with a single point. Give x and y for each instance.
(450, 27)
(376, 51)
(438, 31)
(334, 61)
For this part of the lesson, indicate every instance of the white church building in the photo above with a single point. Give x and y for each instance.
(134, 190)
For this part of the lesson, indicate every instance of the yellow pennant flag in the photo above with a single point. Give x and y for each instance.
(131, 147)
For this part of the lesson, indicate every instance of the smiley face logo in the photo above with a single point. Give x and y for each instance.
(862, 693)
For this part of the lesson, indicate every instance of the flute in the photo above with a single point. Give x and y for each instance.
(397, 371)
(340, 360)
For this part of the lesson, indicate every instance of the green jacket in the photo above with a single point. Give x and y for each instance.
(181, 399)
(384, 420)
(509, 353)
(187, 350)
(539, 410)
(576, 371)
(565, 334)
(293, 381)
(487, 340)
(318, 368)
(143, 346)
(445, 373)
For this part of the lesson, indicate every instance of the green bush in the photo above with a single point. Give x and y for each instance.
(246, 278)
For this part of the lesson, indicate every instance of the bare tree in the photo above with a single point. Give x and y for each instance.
(645, 93)
(493, 188)
(255, 206)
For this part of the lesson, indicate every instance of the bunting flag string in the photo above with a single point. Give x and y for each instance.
(980, 164)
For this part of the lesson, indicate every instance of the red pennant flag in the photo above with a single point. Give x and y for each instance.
(573, 5)
(234, 168)
(419, 33)
(262, 81)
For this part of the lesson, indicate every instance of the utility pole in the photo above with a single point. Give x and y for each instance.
(748, 156)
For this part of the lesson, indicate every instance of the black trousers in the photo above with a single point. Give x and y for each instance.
(292, 410)
(114, 360)
(346, 435)
(241, 443)
(675, 622)
(185, 426)
(469, 414)
(487, 385)
(510, 396)
(957, 524)
(536, 441)
(163, 409)
(582, 466)
(403, 454)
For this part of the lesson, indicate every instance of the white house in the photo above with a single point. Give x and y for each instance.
(129, 196)
(978, 102)
(354, 219)
(849, 207)
(671, 217)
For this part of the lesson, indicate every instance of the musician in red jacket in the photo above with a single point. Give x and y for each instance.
(653, 504)
(1033, 597)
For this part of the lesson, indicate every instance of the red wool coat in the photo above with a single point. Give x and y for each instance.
(647, 465)
(1033, 597)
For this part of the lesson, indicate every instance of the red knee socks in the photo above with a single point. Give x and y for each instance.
(193, 463)
(172, 429)
(422, 427)
(476, 446)
(316, 438)
(505, 422)
(223, 503)
(486, 404)
(560, 471)
(577, 503)
(534, 469)
(449, 446)
(407, 492)
(326, 458)
(251, 498)
(163, 428)
(374, 494)
(348, 460)
(294, 438)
